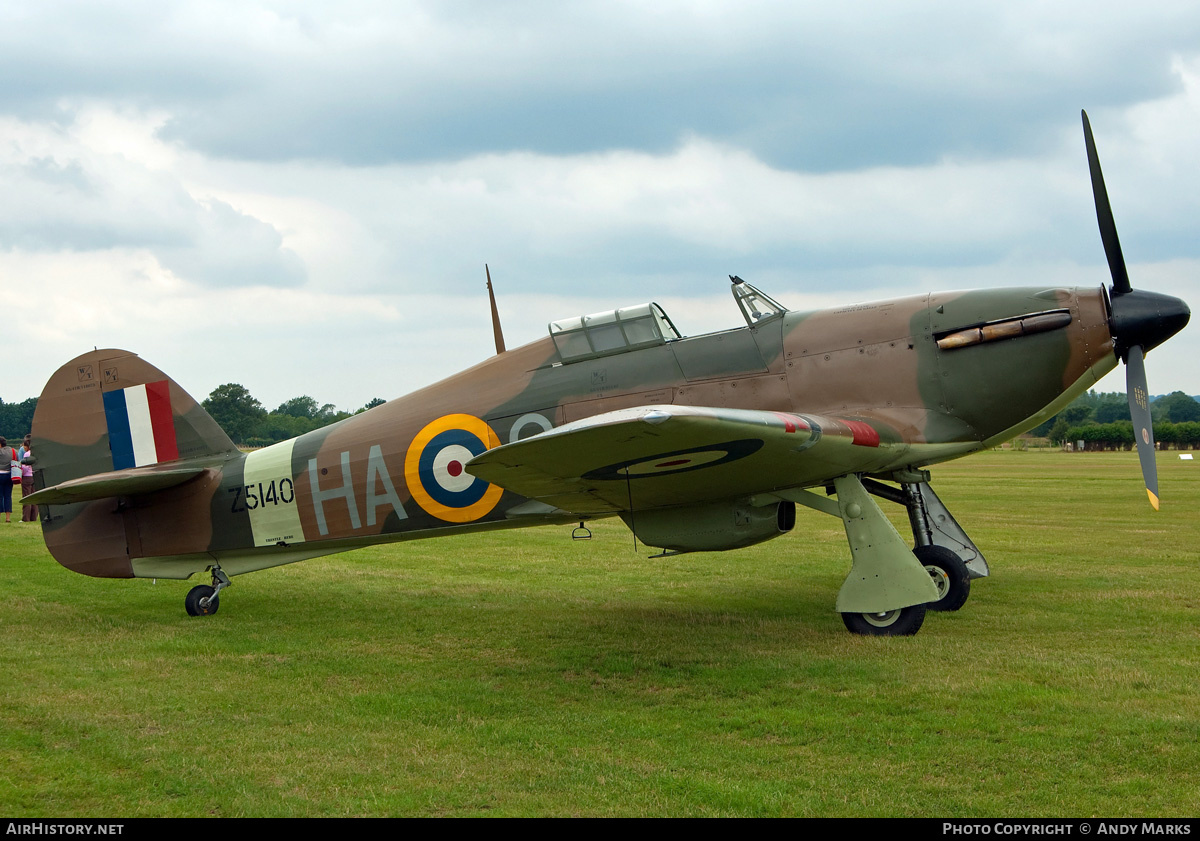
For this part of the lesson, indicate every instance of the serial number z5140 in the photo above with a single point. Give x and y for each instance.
(250, 497)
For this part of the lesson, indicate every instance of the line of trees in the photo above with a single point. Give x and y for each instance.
(1119, 435)
(246, 421)
(16, 419)
(1110, 412)
(241, 416)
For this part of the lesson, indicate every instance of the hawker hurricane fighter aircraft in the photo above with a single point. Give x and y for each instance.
(699, 444)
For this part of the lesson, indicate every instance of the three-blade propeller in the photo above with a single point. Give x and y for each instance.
(1140, 320)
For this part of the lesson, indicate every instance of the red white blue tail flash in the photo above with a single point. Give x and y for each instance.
(141, 426)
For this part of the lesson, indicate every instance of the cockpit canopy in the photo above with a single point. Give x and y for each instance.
(756, 306)
(645, 325)
(616, 331)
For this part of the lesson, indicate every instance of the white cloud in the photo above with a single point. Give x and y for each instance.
(103, 181)
(809, 86)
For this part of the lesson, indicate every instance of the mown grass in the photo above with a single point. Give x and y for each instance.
(519, 673)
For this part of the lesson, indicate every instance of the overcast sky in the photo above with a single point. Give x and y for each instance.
(300, 197)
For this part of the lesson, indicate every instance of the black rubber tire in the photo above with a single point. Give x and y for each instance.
(903, 622)
(949, 572)
(192, 602)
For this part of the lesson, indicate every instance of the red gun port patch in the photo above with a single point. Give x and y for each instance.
(864, 434)
(791, 422)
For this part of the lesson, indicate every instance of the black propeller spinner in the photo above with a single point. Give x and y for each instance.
(1139, 321)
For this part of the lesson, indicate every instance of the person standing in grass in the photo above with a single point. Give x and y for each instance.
(28, 512)
(8, 456)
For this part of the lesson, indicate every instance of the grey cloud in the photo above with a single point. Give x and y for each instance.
(792, 114)
(69, 176)
(229, 248)
(82, 204)
(803, 88)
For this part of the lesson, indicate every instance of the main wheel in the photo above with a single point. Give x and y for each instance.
(902, 622)
(949, 574)
(192, 602)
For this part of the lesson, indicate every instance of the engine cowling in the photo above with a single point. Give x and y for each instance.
(712, 527)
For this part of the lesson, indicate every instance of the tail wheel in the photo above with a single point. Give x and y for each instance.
(901, 622)
(950, 575)
(202, 601)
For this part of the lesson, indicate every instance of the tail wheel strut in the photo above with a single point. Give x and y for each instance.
(204, 600)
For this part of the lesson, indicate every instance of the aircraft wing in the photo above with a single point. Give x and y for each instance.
(654, 456)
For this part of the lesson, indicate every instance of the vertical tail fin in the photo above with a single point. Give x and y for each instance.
(110, 410)
(103, 421)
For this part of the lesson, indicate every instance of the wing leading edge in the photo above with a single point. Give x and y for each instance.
(658, 456)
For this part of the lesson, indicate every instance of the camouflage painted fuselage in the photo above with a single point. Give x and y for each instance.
(907, 382)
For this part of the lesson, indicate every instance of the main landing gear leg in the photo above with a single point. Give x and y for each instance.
(204, 600)
(887, 589)
(939, 542)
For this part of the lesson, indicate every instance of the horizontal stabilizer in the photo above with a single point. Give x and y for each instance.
(138, 480)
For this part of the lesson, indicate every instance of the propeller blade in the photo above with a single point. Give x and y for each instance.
(1108, 228)
(1139, 410)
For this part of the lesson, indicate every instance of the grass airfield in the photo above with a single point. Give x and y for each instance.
(521, 673)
